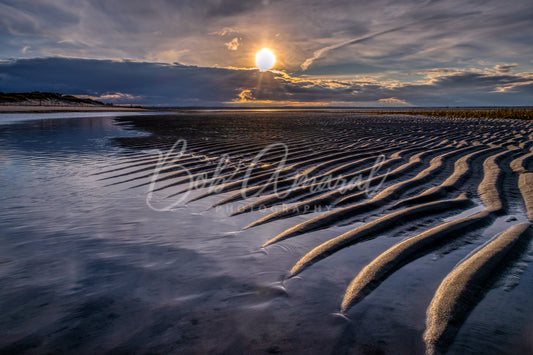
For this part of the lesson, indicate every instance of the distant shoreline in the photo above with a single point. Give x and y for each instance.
(47, 109)
(524, 113)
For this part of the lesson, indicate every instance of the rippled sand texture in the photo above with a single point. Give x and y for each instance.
(430, 253)
(467, 175)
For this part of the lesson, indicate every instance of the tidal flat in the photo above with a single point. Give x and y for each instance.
(304, 232)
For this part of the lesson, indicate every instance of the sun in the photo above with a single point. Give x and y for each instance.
(265, 59)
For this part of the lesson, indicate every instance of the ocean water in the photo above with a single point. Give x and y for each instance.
(87, 266)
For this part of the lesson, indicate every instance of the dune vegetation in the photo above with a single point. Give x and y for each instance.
(520, 113)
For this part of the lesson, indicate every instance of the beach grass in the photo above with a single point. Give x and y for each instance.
(497, 113)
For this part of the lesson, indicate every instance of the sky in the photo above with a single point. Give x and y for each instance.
(328, 53)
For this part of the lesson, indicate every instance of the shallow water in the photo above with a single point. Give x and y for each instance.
(87, 267)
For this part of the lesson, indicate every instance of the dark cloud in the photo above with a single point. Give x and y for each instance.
(181, 85)
(155, 83)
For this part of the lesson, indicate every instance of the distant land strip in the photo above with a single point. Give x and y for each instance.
(52, 102)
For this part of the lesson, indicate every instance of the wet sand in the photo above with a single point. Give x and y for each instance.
(386, 213)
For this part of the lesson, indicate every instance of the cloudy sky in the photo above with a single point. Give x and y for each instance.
(202, 52)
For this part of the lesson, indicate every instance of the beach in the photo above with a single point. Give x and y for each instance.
(266, 232)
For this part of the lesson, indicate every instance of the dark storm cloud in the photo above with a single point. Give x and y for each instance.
(153, 83)
(181, 85)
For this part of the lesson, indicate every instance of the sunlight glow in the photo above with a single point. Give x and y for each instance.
(265, 59)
